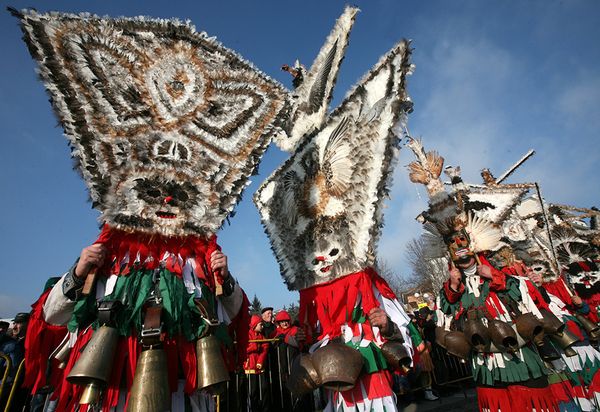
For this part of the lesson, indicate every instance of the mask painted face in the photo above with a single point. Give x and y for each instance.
(159, 204)
(536, 274)
(321, 261)
(584, 278)
(459, 247)
(166, 125)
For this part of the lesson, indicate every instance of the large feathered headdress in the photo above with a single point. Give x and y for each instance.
(322, 208)
(448, 213)
(165, 124)
(310, 100)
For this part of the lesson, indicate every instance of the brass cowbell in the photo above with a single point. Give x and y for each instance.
(94, 366)
(150, 390)
(211, 367)
(565, 340)
(591, 328)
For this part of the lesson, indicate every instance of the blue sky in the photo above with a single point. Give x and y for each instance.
(493, 79)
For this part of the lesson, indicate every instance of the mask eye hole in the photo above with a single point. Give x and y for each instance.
(315, 262)
(334, 252)
(180, 194)
(153, 192)
(453, 241)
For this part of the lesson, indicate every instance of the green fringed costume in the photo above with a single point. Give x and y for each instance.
(505, 381)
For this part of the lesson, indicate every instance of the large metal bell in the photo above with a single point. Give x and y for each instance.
(550, 322)
(150, 391)
(477, 334)
(530, 327)
(503, 336)
(458, 345)
(338, 365)
(303, 376)
(212, 372)
(547, 351)
(395, 354)
(591, 328)
(94, 365)
(440, 336)
(565, 340)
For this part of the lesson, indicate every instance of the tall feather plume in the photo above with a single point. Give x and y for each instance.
(311, 99)
(427, 168)
(484, 234)
(569, 246)
(154, 110)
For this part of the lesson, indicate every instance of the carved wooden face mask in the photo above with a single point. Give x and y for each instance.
(165, 124)
(459, 246)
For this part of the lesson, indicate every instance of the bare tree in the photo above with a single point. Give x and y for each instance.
(400, 284)
(429, 274)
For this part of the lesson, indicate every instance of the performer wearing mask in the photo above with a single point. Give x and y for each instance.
(479, 308)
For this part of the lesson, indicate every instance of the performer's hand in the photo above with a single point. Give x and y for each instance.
(218, 261)
(91, 256)
(484, 271)
(378, 317)
(576, 301)
(455, 278)
(535, 277)
(258, 366)
(300, 335)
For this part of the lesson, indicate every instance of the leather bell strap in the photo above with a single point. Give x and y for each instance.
(151, 332)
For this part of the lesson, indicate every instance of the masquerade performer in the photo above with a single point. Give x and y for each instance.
(578, 361)
(165, 125)
(553, 245)
(571, 360)
(322, 212)
(484, 316)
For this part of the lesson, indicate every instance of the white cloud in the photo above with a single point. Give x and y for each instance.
(11, 305)
(578, 102)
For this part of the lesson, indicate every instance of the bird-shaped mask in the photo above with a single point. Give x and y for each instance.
(322, 208)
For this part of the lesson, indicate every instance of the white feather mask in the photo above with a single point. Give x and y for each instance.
(322, 208)
(165, 124)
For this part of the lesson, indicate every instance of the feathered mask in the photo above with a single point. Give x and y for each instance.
(451, 228)
(165, 124)
(322, 208)
(314, 88)
(462, 236)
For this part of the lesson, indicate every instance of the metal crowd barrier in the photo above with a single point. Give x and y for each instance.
(14, 386)
(272, 390)
(448, 369)
(7, 367)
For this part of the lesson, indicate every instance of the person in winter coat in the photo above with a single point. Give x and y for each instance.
(257, 351)
(291, 335)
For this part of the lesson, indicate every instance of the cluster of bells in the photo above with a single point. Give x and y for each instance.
(150, 390)
(337, 366)
(499, 336)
